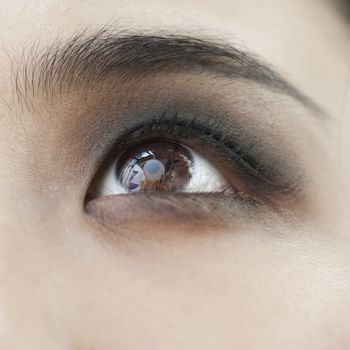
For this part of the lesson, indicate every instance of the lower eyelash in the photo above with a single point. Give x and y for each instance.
(203, 210)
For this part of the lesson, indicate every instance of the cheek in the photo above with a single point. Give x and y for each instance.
(221, 288)
(276, 289)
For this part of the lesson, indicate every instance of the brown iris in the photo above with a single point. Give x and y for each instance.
(155, 166)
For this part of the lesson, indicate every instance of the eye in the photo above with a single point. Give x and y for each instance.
(180, 153)
(161, 166)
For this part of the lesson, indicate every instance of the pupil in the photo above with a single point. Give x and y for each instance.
(155, 166)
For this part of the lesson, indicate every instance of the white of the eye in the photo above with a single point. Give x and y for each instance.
(137, 174)
(205, 178)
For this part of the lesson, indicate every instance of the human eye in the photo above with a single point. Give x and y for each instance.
(162, 165)
(180, 158)
(168, 155)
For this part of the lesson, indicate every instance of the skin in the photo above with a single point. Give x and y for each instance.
(170, 282)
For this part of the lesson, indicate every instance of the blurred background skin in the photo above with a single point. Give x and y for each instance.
(62, 287)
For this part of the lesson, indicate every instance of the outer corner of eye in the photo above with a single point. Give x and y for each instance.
(159, 166)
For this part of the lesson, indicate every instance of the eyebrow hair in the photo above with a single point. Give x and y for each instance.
(85, 59)
(343, 8)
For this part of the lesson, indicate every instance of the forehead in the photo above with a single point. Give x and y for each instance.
(290, 34)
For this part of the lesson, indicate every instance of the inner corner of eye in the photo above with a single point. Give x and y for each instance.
(160, 166)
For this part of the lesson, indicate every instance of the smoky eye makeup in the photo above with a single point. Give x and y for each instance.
(176, 151)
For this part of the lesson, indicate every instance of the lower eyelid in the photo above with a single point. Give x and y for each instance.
(200, 212)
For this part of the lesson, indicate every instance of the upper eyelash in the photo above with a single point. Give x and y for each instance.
(205, 130)
(210, 131)
(236, 154)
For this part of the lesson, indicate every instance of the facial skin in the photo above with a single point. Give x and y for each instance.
(163, 270)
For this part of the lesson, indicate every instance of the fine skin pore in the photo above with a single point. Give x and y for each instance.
(266, 269)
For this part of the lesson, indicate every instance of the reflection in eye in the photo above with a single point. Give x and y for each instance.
(161, 166)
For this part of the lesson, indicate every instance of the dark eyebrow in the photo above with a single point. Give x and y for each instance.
(85, 59)
(343, 8)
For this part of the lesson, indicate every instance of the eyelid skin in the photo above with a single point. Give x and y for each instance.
(96, 120)
(198, 213)
(242, 113)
